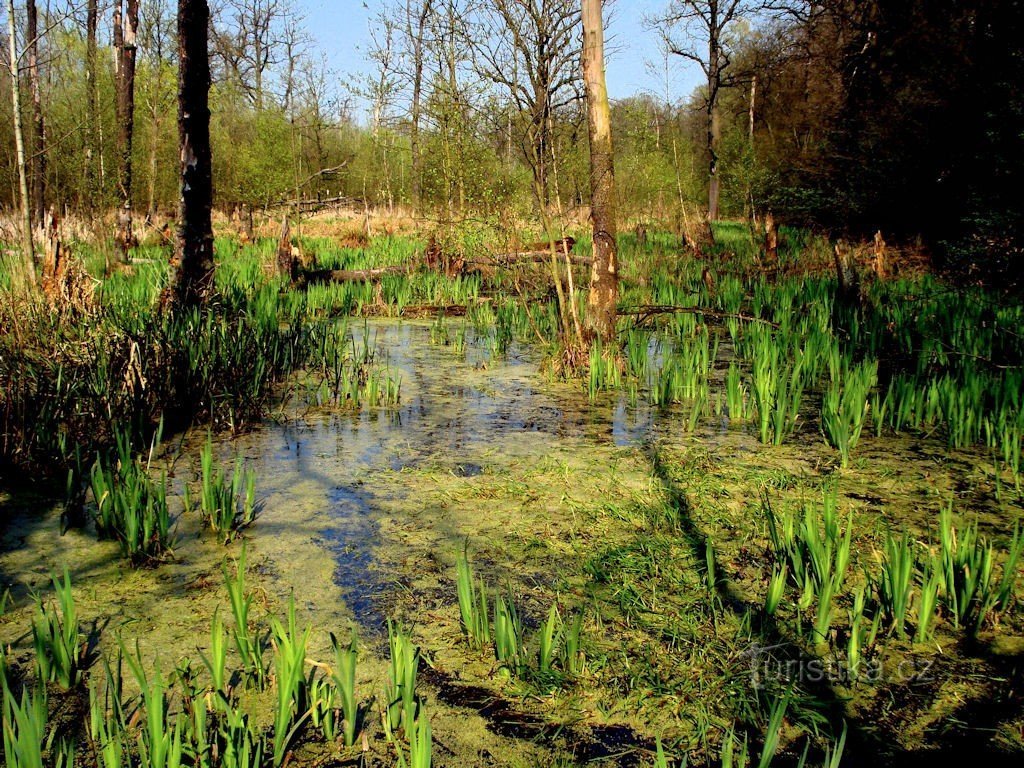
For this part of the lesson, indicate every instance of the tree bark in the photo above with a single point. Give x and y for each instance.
(847, 279)
(92, 118)
(19, 149)
(38, 157)
(750, 110)
(714, 125)
(604, 284)
(126, 25)
(416, 36)
(194, 278)
(287, 264)
(879, 265)
(154, 147)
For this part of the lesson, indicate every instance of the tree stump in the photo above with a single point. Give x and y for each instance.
(771, 240)
(879, 263)
(287, 262)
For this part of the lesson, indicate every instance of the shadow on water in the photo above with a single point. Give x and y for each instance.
(351, 539)
(454, 418)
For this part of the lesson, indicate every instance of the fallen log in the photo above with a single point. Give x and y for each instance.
(450, 310)
(541, 252)
(645, 312)
(434, 259)
(536, 257)
(349, 275)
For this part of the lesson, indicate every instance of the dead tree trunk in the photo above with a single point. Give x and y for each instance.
(38, 157)
(880, 266)
(248, 226)
(52, 255)
(126, 25)
(194, 278)
(846, 308)
(604, 281)
(714, 122)
(846, 273)
(287, 263)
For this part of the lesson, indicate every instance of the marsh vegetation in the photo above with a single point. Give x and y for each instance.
(516, 426)
(741, 532)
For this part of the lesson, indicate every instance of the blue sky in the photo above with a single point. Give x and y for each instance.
(635, 63)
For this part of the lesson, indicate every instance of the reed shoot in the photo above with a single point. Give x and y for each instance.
(473, 604)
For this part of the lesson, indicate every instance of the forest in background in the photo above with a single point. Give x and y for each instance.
(850, 117)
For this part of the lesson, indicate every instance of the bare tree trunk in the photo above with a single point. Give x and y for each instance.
(752, 210)
(714, 125)
(19, 146)
(540, 146)
(195, 231)
(126, 25)
(154, 146)
(92, 119)
(38, 157)
(416, 36)
(604, 281)
(459, 115)
(751, 113)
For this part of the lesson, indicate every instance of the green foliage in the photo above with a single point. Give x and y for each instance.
(776, 589)
(24, 725)
(895, 583)
(216, 662)
(844, 409)
(160, 739)
(815, 555)
(508, 635)
(971, 591)
(777, 385)
(106, 728)
(420, 740)
(247, 642)
(226, 506)
(130, 506)
(56, 637)
(293, 703)
(402, 703)
(344, 676)
(473, 604)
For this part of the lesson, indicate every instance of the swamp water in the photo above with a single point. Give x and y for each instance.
(556, 500)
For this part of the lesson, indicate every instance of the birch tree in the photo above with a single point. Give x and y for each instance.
(126, 26)
(604, 279)
(14, 70)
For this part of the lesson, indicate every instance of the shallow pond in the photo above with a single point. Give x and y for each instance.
(557, 500)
